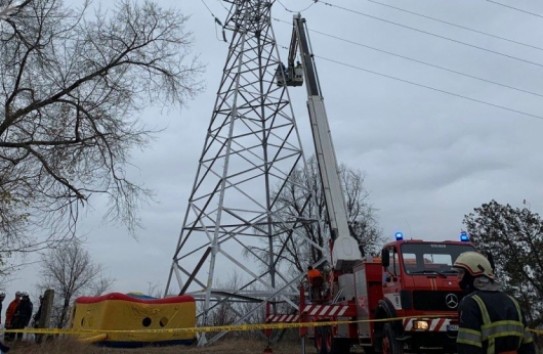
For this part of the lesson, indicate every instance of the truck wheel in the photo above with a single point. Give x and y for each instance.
(390, 345)
(340, 346)
(323, 340)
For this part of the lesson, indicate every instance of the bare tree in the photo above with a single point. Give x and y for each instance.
(8, 8)
(225, 311)
(69, 270)
(361, 219)
(154, 290)
(71, 87)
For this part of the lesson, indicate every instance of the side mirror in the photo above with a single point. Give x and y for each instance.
(385, 258)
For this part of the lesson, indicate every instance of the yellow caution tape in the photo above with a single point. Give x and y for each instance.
(93, 339)
(209, 329)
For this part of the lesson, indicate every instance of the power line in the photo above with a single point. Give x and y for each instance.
(207, 7)
(429, 33)
(455, 25)
(293, 11)
(217, 22)
(421, 62)
(515, 8)
(432, 88)
(222, 4)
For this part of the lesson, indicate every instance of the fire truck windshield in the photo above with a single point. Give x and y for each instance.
(427, 258)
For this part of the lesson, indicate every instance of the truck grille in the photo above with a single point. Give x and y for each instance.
(436, 300)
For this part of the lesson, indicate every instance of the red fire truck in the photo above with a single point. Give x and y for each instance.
(406, 300)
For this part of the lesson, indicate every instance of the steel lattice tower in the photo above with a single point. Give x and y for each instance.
(251, 148)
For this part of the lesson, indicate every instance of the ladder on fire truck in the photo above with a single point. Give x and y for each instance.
(345, 250)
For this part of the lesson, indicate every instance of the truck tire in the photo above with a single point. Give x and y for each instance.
(323, 340)
(341, 346)
(389, 343)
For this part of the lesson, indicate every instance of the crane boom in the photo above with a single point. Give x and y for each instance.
(345, 249)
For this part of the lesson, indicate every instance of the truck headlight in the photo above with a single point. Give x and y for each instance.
(420, 325)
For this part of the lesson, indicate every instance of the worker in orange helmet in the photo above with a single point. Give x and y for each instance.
(315, 279)
(491, 321)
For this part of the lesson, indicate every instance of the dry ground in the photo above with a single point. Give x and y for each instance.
(226, 346)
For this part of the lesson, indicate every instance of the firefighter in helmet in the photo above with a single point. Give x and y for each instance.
(491, 321)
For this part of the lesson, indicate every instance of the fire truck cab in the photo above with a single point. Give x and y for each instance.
(420, 288)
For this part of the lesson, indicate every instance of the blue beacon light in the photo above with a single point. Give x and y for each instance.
(464, 237)
(399, 236)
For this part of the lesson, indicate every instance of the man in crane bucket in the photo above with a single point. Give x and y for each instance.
(490, 320)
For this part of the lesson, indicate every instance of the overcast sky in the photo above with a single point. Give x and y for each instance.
(438, 103)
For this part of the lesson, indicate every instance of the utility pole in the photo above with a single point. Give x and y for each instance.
(233, 218)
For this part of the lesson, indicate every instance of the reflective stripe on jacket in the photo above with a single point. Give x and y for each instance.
(498, 330)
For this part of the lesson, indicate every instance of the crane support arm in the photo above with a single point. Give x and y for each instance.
(345, 249)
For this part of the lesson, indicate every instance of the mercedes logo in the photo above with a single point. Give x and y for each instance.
(451, 300)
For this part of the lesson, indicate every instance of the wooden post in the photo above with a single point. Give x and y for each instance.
(46, 304)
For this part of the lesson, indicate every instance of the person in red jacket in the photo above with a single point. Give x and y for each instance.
(22, 315)
(10, 312)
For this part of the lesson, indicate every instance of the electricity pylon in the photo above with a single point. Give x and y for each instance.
(234, 216)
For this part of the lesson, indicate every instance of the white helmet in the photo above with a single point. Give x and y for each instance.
(475, 263)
